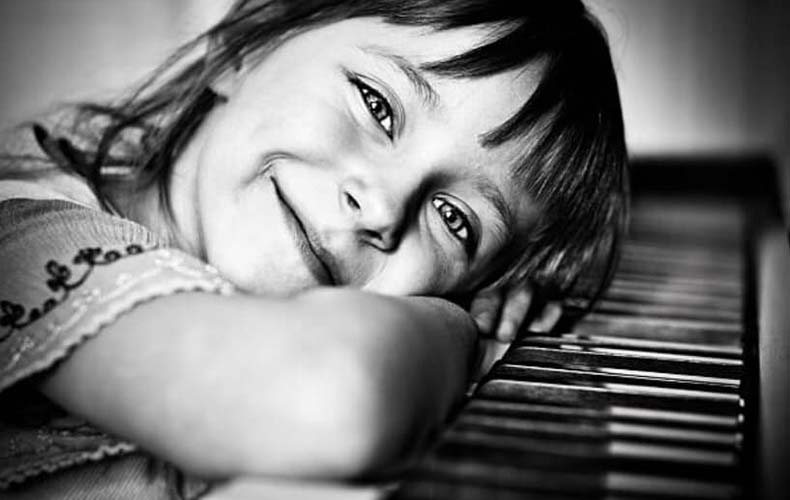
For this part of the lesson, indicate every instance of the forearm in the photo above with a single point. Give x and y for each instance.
(228, 385)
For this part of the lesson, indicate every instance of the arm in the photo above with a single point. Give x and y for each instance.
(330, 383)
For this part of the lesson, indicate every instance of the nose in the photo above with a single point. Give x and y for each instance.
(377, 213)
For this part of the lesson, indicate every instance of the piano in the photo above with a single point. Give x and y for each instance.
(675, 387)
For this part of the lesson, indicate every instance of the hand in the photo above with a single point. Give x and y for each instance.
(500, 312)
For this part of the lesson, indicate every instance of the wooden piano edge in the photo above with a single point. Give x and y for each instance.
(762, 184)
(773, 433)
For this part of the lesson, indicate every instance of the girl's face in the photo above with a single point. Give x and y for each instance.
(335, 160)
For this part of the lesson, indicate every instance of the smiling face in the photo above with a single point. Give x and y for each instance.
(336, 160)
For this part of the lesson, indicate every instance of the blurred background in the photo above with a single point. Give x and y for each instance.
(697, 76)
(698, 79)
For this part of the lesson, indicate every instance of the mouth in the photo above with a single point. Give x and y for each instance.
(315, 257)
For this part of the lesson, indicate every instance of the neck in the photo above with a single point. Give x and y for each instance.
(147, 206)
(175, 217)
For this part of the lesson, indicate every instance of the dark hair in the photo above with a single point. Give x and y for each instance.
(574, 158)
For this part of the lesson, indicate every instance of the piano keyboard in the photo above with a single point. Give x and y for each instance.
(645, 398)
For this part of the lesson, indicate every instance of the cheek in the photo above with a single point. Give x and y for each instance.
(320, 132)
(418, 267)
(306, 118)
(237, 232)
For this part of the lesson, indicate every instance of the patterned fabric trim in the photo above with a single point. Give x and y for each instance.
(99, 301)
(67, 271)
(61, 280)
(49, 463)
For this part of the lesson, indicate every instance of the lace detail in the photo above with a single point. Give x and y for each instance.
(12, 315)
(68, 270)
(47, 463)
(139, 278)
(100, 298)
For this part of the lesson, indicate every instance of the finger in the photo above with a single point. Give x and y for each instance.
(490, 351)
(548, 318)
(514, 311)
(485, 309)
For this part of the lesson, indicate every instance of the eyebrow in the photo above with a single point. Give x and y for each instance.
(430, 97)
(415, 76)
(494, 196)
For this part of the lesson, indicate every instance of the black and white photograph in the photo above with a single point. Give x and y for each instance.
(394, 249)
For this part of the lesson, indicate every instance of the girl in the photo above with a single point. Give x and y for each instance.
(258, 263)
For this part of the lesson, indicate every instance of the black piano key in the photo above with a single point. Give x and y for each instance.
(546, 481)
(690, 282)
(443, 479)
(669, 288)
(671, 254)
(508, 371)
(701, 366)
(726, 262)
(545, 411)
(698, 332)
(453, 489)
(725, 255)
(644, 397)
(621, 486)
(609, 306)
(681, 270)
(599, 431)
(653, 295)
(434, 487)
(574, 339)
(563, 454)
(730, 286)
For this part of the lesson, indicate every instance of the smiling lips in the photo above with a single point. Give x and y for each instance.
(309, 249)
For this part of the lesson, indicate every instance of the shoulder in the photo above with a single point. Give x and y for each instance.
(68, 270)
(28, 224)
(26, 171)
(50, 185)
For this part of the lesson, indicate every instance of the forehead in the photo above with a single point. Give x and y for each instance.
(493, 98)
(421, 44)
(464, 109)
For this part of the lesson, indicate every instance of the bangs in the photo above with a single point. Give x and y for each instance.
(572, 160)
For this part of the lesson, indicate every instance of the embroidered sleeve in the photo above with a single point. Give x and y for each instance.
(66, 271)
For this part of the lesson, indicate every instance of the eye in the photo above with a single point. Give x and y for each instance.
(456, 222)
(377, 105)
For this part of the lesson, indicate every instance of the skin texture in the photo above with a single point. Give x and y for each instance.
(249, 385)
(298, 179)
(295, 135)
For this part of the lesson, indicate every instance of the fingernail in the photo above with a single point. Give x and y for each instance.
(507, 332)
(483, 321)
(538, 326)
